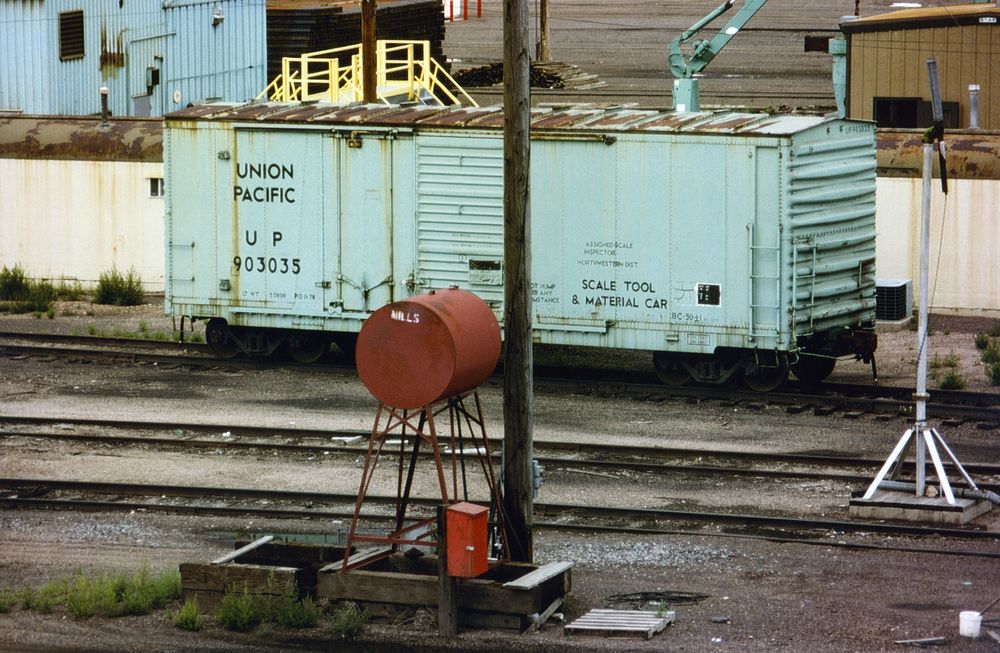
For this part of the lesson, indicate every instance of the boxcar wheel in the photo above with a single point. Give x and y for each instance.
(217, 338)
(813, 369)
(670, 368)
(308, 347)
(766, 379)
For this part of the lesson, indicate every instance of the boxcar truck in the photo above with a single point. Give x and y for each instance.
(728, 245)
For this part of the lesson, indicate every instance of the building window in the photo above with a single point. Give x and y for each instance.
(70, 35)
(911, 113)
(156, 186)
(895, 111)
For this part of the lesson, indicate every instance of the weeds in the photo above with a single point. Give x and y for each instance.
(952, 380)
(7, 601)
(991, 355)
(109, 595)
(117, 595)
(113, 287)
(13, 283)
(348, 621)
(982, 340)
(995, 329)
(188, 617)
(241, 611)
(993, 373)
(196, 338)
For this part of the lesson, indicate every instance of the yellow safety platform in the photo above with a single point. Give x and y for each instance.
(405, 73)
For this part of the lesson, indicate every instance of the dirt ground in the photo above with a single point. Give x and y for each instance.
(762, 596)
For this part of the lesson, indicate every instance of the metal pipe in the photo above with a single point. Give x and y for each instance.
(965, 493)
(973, 106)
(105, 112)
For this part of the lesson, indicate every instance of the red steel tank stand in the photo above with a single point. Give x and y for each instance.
(413, 427)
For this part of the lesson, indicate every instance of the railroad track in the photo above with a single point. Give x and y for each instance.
(851, 399)
(606, 460)
(49, 494)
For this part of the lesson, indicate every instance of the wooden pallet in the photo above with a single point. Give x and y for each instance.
(616, 623)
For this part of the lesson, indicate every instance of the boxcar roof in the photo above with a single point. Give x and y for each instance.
(571, 119)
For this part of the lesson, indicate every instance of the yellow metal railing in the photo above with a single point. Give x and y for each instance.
(405, 72)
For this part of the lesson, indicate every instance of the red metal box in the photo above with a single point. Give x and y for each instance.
(467, 525)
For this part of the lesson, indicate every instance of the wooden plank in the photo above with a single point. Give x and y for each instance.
(259, 579)
(617, 622)
(293, 554)
(232, 555)
(539, 576)
(542, 618)
(422, 590)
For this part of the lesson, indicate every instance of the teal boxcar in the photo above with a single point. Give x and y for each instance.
(727, 244)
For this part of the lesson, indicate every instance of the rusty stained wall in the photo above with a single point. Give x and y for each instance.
(893, 63)
(965, 233)
(75, 219)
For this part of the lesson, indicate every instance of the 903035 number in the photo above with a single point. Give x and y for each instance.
(266, 264)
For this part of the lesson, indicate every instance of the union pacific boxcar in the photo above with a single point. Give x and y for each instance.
(727, 244)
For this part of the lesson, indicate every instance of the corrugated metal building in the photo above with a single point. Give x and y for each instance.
(154, 57)
(887, 64)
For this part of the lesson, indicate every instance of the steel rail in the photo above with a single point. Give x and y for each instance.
(619, 463)
(541, 509)
(622, 453)
(983, 407)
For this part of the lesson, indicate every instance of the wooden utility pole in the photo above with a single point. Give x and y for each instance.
(544, 53)
(517, 387)
(369, 65)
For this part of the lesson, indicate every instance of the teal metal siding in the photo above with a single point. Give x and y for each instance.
(459, 190)
(831, 209)
(122, 40)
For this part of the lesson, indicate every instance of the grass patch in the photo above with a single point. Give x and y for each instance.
(13, 283)
(995, 329)
(993, 373)
(108, 595)
(952, 380)
(188, 617)
(244, 611)
(196, 338)
(45, 598)
(982, 341)
(118, 289)
(8, 600)
(348, 621)
(241, 611)
(118, 595)
(991, 355)
(69, 293)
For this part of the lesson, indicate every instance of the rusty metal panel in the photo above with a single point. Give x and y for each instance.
(80, 139)
(971, 154)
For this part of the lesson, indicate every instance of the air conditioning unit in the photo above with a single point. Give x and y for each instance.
(893, 299)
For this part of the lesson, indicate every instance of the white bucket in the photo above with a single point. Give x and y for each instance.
(969, 622)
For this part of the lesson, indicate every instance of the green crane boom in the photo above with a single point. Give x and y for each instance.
(686, 97)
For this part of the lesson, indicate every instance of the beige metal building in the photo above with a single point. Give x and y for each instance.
(887, 77)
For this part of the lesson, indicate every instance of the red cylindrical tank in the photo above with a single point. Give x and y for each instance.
(413, 352)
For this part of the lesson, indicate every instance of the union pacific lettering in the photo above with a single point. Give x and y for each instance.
(264, 194)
